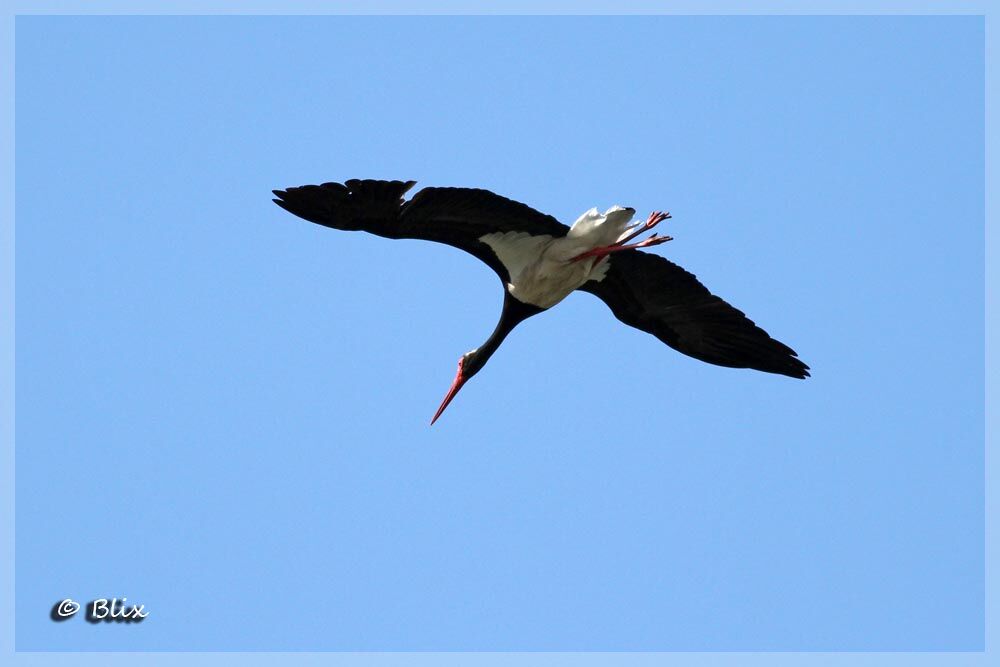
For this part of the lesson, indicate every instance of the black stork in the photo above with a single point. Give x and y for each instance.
(540, 261)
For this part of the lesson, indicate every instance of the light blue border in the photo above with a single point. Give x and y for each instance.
(708, 7)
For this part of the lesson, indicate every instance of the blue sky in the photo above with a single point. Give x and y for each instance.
(222, 410)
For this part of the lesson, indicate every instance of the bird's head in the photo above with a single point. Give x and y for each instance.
(469, 364)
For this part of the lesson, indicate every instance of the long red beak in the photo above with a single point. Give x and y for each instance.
(456, 384)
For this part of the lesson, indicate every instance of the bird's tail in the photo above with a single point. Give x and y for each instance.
(352, 206)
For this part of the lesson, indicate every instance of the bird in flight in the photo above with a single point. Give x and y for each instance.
(540, 261)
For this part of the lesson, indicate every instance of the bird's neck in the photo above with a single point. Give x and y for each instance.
(514, 312)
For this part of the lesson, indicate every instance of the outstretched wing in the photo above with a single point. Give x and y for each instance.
(459, 217)
(651, 293)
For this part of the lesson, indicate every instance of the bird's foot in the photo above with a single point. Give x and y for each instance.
(655, 218)
(655, 239)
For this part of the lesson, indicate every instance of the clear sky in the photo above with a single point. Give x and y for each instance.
(222, 409)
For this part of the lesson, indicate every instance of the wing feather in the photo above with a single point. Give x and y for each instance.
(458, 217)
(651, 293)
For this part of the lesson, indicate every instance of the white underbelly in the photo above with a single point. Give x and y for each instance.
(541, 268)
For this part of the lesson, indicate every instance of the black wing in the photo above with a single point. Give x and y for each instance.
(455, 216)
(651, 293)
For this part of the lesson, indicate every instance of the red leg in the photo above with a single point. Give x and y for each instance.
(607, 250)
